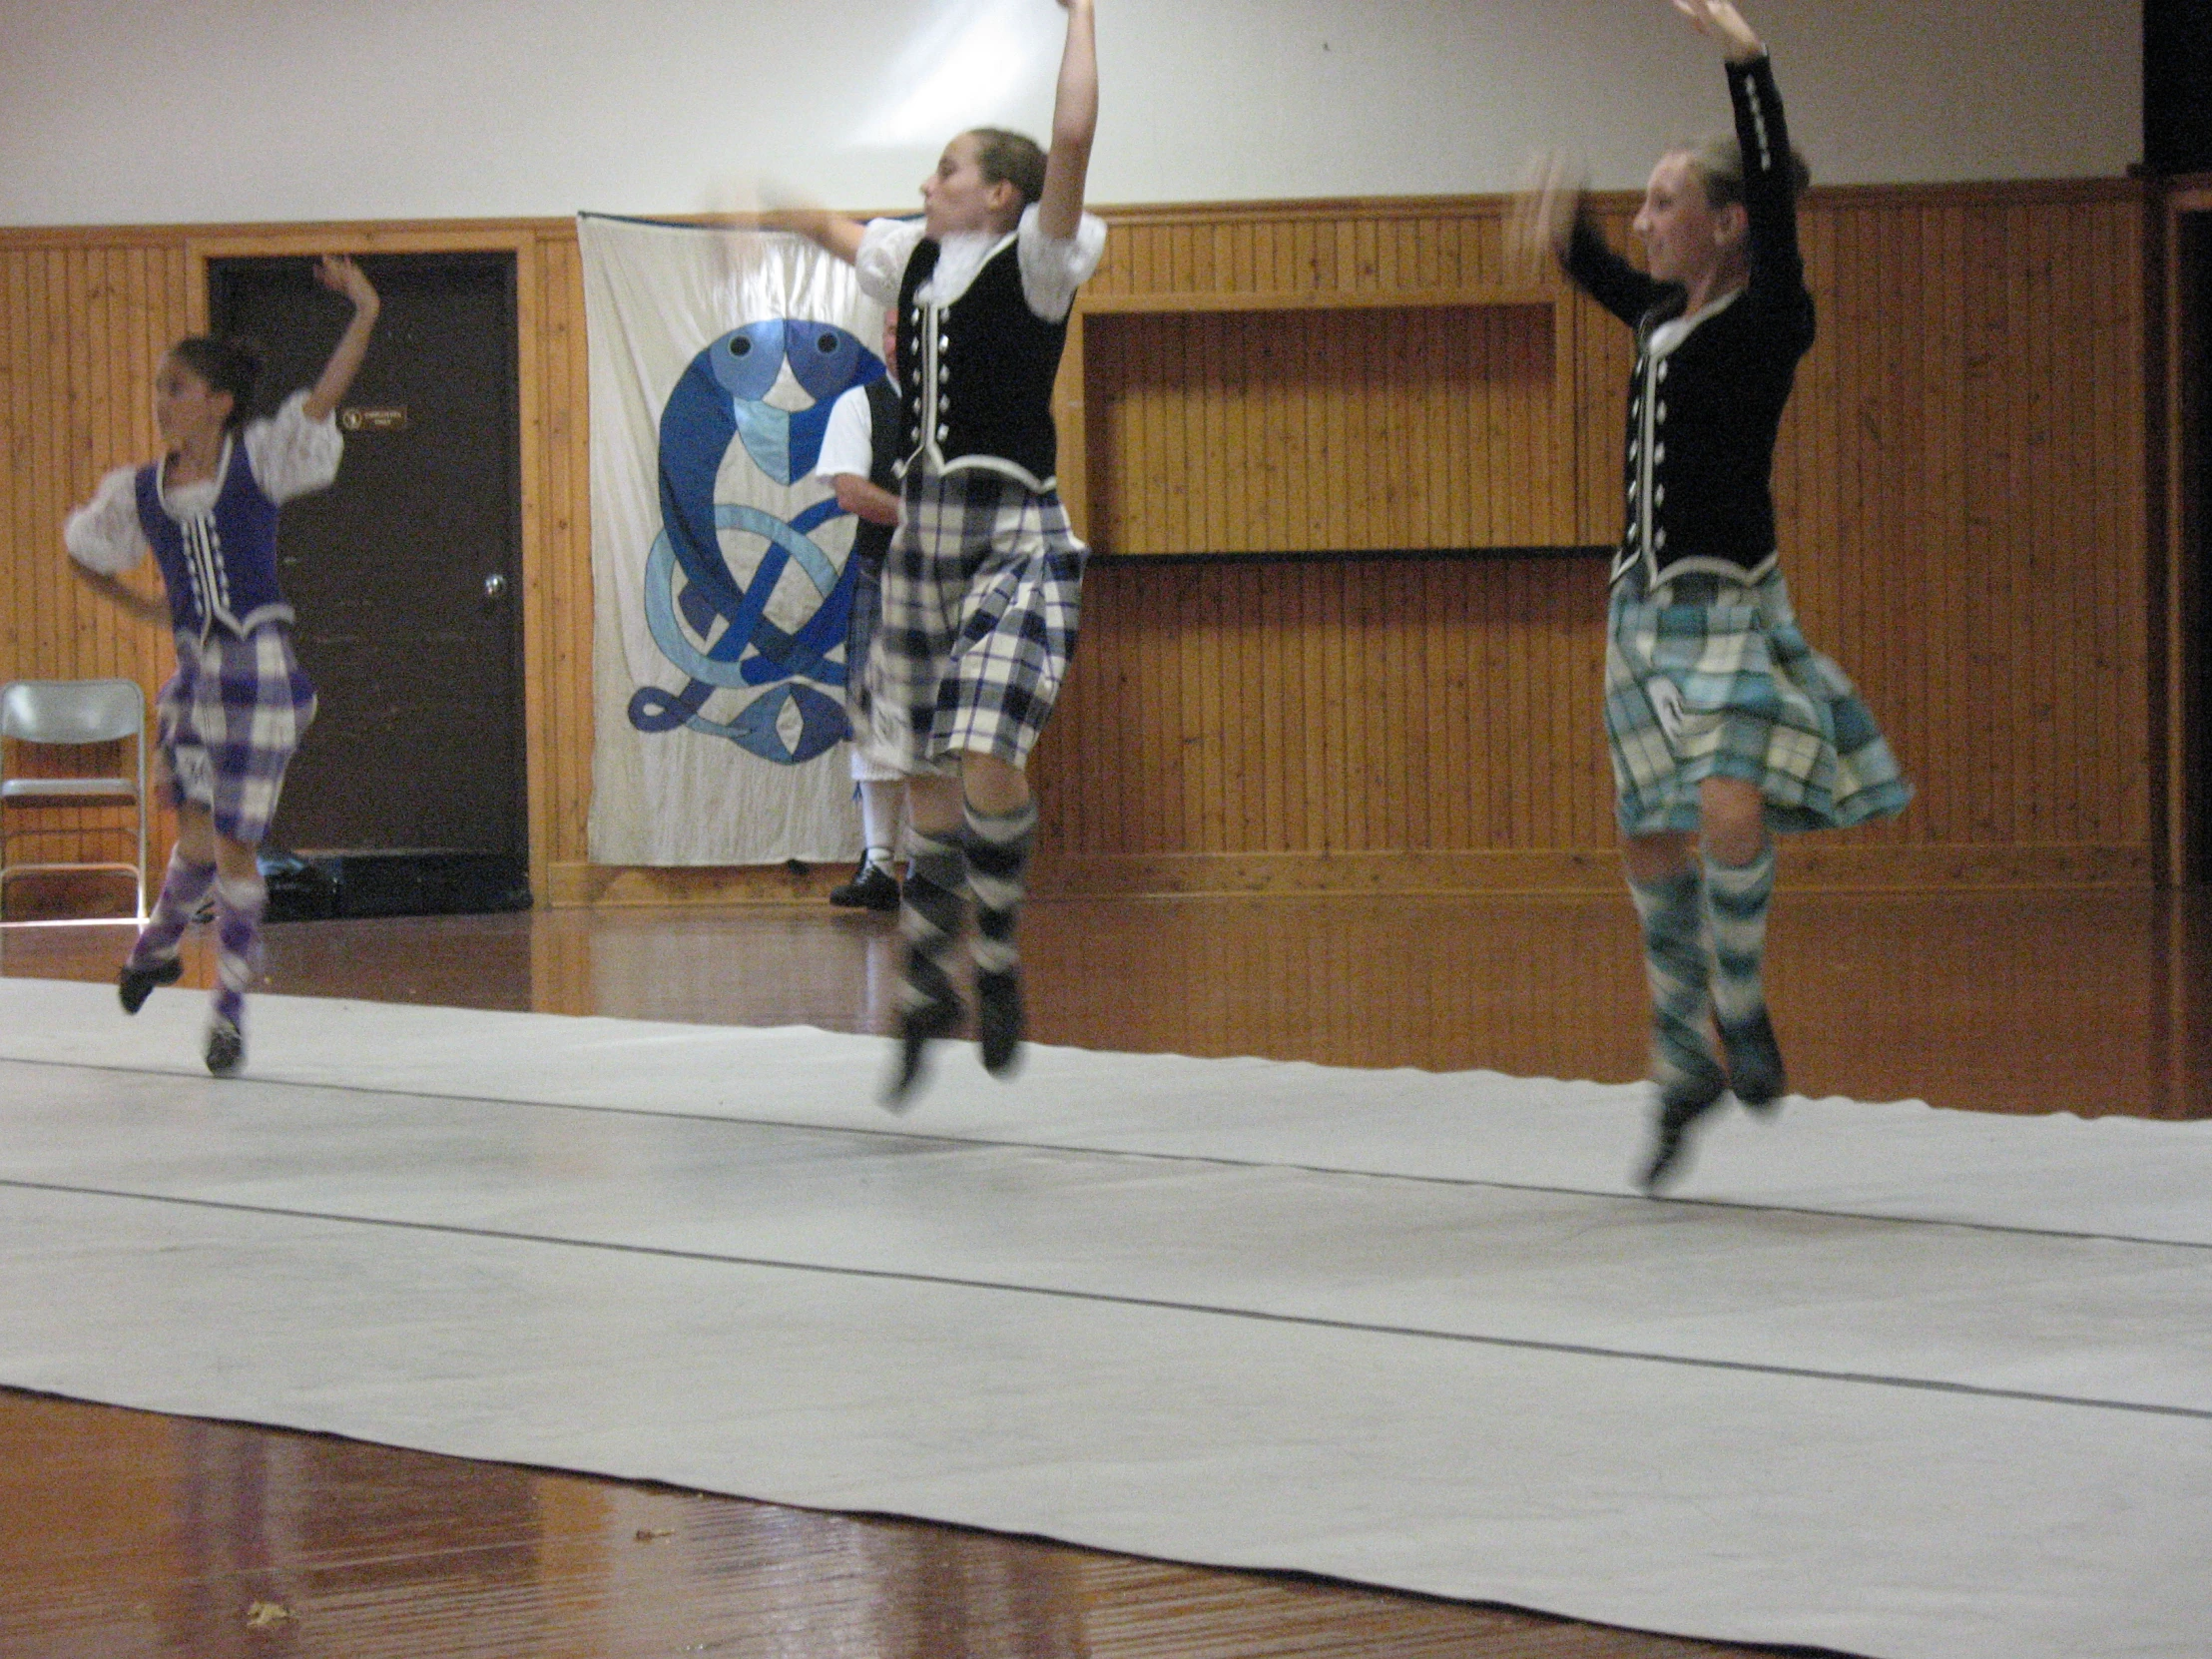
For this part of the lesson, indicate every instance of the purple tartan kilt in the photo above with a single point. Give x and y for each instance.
(229, 722)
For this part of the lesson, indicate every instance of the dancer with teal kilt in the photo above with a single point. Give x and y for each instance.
(1725, 724)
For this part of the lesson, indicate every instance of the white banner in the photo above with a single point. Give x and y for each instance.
(718, 561)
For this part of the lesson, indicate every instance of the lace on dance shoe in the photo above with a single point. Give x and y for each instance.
(226, 1048)
(135, 984)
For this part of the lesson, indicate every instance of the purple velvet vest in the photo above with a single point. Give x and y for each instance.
(221, 569)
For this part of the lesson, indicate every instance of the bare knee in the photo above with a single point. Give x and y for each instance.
(196, 837)
(993, 785)
(1732, 817)
(234, 860)
(934, 805)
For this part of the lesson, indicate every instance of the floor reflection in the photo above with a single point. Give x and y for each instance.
(2022, 1002)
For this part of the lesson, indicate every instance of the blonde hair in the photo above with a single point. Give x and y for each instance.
(1719, 165)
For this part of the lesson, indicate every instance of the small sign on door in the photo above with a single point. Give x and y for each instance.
(359, 419)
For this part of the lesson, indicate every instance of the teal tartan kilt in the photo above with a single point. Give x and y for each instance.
(1730, 688)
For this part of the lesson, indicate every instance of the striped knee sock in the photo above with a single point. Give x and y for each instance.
(998, 845)
(1736, 898)
(931, 911)
(183, 887)
(237, 916)
(1676, 963)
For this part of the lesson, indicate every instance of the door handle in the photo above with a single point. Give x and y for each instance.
(495, 588)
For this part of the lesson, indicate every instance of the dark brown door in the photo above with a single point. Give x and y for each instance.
(406, 574)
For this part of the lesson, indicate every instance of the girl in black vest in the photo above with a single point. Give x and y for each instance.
(231, 716)
(982, 584)
(1723, 723)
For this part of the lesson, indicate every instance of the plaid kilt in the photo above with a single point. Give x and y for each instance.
(228, 721)
(871, 765)
(1730, 688)
(982, 590)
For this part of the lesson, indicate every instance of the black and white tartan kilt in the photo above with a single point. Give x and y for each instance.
(1730, 688)
(229, 722)
(983, 593)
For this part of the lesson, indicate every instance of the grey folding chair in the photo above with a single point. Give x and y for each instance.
(71, 712)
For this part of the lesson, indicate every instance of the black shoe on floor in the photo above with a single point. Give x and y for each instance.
(917, 1029)
(998, 1021)
(1755, 1063)
(226, 1048)
(872, 887)
(135, 984)
(1681, 1104)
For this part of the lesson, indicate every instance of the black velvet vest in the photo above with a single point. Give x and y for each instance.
(977, 375)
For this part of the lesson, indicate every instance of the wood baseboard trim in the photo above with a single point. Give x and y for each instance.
(1807, 865)
(618, 885)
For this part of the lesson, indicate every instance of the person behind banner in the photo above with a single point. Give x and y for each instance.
(1724, 721)
(982, 585)
(232, 715)
(859, 457)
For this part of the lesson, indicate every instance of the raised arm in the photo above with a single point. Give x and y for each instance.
(1771, 178)
(1720, 22)
(1074, 125)
(1550, 222)
(345, 277)
(834, 234)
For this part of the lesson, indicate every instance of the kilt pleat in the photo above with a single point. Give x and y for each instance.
(229, 723)
(1732, 689)
(981, 599)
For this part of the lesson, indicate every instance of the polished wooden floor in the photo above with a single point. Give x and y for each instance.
(131, 1535)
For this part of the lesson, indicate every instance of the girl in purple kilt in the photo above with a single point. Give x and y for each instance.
(1723, 723)
(231, 717)
(982, 583)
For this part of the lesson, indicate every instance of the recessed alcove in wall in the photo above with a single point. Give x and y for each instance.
(1327, 428)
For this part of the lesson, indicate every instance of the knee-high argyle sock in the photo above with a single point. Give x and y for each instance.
(930, 915)
(237, 920)
(932, 906)
(1736, 898)
(1679, 969)
(998, 845)
(183, 887)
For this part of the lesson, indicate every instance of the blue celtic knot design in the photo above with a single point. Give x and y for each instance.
(707, 622)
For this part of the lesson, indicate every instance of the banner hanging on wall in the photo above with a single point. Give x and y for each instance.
(717, 559)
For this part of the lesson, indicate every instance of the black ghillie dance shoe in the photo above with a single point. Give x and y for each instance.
(998, 1021)
(1755, 1063)
(1681, 1103)
(917, 1029)
(135, 984)
(226, 1048)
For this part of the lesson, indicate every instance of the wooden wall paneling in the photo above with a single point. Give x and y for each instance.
(2181, 524)
(537, 328)
(568, 419)
(1952, 525)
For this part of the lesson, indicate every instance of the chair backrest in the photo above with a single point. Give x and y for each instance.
(72, 711)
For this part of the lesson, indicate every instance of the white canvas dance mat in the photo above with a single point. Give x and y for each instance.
(1885, 1379)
